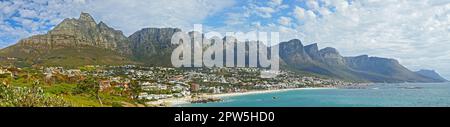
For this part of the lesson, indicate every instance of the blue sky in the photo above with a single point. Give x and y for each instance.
(412, 31)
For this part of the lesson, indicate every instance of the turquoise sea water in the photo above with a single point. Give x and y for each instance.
(376, 95)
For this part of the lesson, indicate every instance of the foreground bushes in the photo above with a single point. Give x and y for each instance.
(28, 97)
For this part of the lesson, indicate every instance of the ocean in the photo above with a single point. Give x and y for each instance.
(376, 95)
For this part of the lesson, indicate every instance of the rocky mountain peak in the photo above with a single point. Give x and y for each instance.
(329, 50)
(102, 27)
(332, 56)
(102, 24)
(87, 20)
(293, 46)
(86, 17)
(151, 44)
(313, 52)
(294, 52)
(363, 57)
(295, 42)
(80, 32)
(153, 35)
(312, 47)
(83, 24)
(431, 74)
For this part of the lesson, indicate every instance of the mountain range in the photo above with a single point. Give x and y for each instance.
(431, 74)
(82, 41)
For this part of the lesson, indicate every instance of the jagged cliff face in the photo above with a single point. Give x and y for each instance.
(293, 52)
(374, 64)
(153, 45)
(150, 41)
(313, 52)
(331, 57)
(80, 32)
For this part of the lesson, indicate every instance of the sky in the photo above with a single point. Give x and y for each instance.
(415, 32)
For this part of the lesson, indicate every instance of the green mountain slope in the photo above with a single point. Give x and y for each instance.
(67, 57)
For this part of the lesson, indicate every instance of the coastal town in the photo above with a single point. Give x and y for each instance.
(159, 86)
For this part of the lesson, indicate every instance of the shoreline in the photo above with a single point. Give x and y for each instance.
(176, 102)
(224, 95)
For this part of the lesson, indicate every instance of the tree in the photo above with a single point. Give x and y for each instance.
(90, 87)
(135, 89)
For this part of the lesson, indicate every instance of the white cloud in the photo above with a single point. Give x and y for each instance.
(257, 24)
(286, 21)
(28, 13)
(132, 15)
(20, 18)
(312, 4)
(304, 15)
(265, 12)
(324, 11)
(415, 32)
(310, 14)
(299, 13)
(275, 2)
(80, 1)
(341, 5)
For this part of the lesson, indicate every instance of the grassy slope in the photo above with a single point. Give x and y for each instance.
(68, 93)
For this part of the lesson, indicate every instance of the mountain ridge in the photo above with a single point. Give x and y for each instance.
(328, 61)
(82, 41)
(431, 74)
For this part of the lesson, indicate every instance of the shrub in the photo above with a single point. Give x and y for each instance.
(29, 97)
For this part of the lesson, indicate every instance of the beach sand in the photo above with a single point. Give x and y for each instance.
(170, 102)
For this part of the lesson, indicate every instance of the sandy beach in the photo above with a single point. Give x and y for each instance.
(171, 102)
